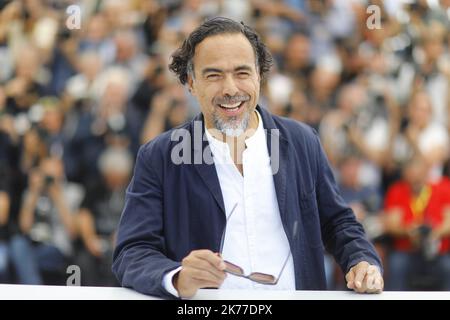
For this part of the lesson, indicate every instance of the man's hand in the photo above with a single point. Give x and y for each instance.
(36, 181)
(365, 278)
(200, 269)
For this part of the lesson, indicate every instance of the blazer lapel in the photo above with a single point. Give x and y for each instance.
(205, 169)
(278, 152)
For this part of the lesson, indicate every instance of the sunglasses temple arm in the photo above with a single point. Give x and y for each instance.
(284, 265)
(294, 237)
(222, 239)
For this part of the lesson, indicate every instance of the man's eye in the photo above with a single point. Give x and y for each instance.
(243, 74)
(212, 76)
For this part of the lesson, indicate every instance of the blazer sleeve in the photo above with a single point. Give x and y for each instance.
(139, 260)
(342, 235)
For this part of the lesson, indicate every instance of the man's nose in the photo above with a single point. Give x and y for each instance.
(229, 86)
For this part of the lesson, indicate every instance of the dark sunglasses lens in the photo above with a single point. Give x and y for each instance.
(262, 278)
(234, 269)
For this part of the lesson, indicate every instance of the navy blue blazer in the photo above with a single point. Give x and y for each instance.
(172, 209)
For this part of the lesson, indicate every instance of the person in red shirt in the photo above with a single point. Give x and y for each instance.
(417, 216)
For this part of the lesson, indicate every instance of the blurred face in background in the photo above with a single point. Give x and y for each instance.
(115, 165)
(178, 113)
(90, 65)
(117, 12)
(116, 179)
(377, 63)
(433, 44)
(32, 143)
(97, 28)
(420, 110)
(155, 73)
(376, 36)
(193, 5)
(415, 174)
(349, 172)
(319, 6)
(27, 63)
(114, 98)
(324, 82)
(126, 46)
(226, 82)
(297, 52)
(2, 98)
(350, 98)
(32, 8)
(52, 120)
(52, 167)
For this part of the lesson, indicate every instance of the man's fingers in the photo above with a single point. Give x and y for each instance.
(187, 285)
(363, 288)
(371, 276)
(202, 275)
(207, 266)
(364, 277)
(373, 283)
(206, 260)
(360, 271)
(200, 269)
(350, 277)
(211, 257)
(370, 282)
(379, 284)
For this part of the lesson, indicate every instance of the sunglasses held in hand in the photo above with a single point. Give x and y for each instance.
(259, 277)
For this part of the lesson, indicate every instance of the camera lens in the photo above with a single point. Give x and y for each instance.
(49, 180)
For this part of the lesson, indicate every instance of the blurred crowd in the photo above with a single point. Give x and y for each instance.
(75, 105)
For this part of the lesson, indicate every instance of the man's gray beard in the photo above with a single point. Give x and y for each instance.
(232, 127)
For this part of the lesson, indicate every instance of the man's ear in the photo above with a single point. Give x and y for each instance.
(190, 85)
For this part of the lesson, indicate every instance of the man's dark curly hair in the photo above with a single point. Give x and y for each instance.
(182, 63)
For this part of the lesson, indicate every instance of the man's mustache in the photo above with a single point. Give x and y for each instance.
(231, 100)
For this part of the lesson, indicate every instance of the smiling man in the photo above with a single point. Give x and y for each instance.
(235, 222)
(227, 85)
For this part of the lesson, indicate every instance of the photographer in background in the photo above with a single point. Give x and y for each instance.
(417, 216)
(365, 202)
(4, 215)
(99, 216)
(422, 135)
(5, 187)
(154, 82)
(23, 89)
(47, 223)
(168, 109)
(353, 128)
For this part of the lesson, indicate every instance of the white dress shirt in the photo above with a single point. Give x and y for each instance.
(255, 238)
